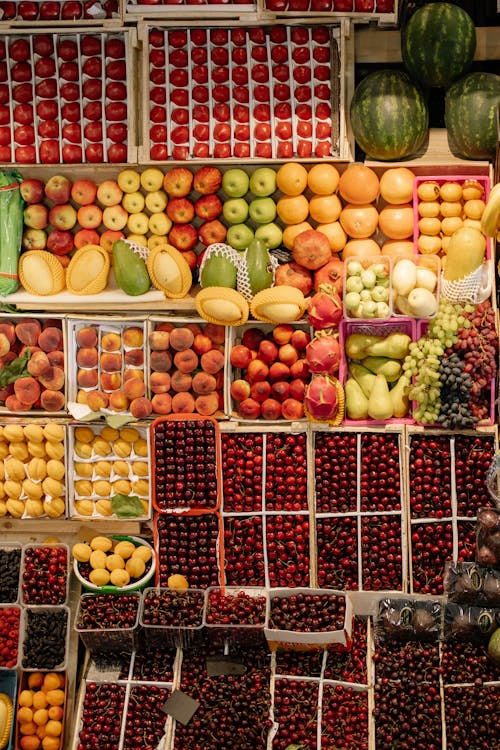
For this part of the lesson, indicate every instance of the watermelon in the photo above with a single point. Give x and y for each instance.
(471, 112)
(438, 44)
(389, 115)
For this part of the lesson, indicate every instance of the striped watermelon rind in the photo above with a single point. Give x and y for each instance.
(438, 44)
(389, 115)
(472, 107)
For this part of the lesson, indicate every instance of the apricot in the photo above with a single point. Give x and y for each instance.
(183, 403)
(186, 360)
(4, 345)
(180, 382)
(81, 397)
(25, 714)
(133, 336)
(52, 400)
(118, 401)
(212, 361)
(159, 340)
(159, 382)
(111, 362)
(87, 378)
(41, 716)
(39, 699)
(111, 342)
(27, 390)
(56, 712)
(162, 403)
(97, 400)
(110, 381)
(30, 742)
(50, 339)
(203, 383)
(134, 357)
(207, 404)
(38, 364)
(9, 330)
(165, 325)
(28, 331)
(53, 379)
(160, 361)
(215, 332)
(141, 407)
(134, 388)
(56, 358)
(12, 403)
(87, 357)
(86, 337)
(181, 338)
(35, 680)
(27, 727)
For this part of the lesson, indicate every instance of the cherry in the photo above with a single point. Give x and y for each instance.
(188, 545)
(307, 613)
(242, 466)
(380, 479)
(45, 574)
(101, 716)
(145, 718)
(153, 664)
(344, 718)
(335, 468)
(244, 551)
(431, 547)
(471, 716)
(473, 457)
(350, 666)
(287, 541)
(286, 472)
(381, 552)
(410, 716)
(296, 712)
(430, 476)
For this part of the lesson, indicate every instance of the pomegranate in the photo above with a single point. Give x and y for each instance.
(293, 274)
(323, 353)
(325, 308)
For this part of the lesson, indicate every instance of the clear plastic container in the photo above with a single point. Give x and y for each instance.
(188, 632)
(107, 637)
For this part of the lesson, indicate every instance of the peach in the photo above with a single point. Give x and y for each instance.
(212, 361)
(203, 383)
(86, 337)
(215, 332)
(134, 388)
(8, 358)
(56, 712)
(249, 408)
(111, 342)
(50, 339)
(181, 338)
(141, 407)
(300, 339)
(87, 378)
(28, 331)
(240, 356)
(87, 357)
(186, 360)
(118, 401)
(297, 389)
(291, 408)
(97, 400)
(282, 333)
(160, 361)
(4, 345)
(252, 337)
(54, 380)
(159, 382)
(81, 396)
(28, 348)
(7, 391)
(132, 372)
(271, 409)
(12, 403)
(30, 742)
(133, 337)
(195, 328)
(27, 390)
(111, 362)
(220, 379)
(38, 364)
(52, 400)
(207, 404)
(257, 370)
(299, 369)
(280, 390)
(288, 354)
(134, 357)
(260, 390)
(183, 403)
(159, 340)
(9, 330)
(56, 358)
(268, 351)
(202, 343)
(110, 381)
(162, 403)
(278, 371)
(165, 326)
(180, 381)
(240, 389)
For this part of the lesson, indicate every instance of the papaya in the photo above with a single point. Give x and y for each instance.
(218, 270)
(130, 271)
(256, 269)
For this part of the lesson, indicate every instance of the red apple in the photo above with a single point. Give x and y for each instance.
(34, 239)
(183, 236)
(32, 190)
(212, 231)
(60, 242)
(208, 207)
(180, 210)
(35, 215)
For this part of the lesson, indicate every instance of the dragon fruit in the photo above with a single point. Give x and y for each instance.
(321, 398)
(325, 308)
(323, 353)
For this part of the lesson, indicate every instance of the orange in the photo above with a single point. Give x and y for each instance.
(396, 185)
(450, 224)
(451, 208)
(398, 249)
(396, 221)
(325, 208)
(429, 226)
(290, 233)
(366, 248)
(359, 184)
(291, 178)
(293, 209)
(323, 179)
(336, 235)
(359, 221)
(474, 208)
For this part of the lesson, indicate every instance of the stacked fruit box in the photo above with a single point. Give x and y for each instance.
(59, 13)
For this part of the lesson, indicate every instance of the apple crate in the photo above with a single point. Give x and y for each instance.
(329, 604)
(79, 85)
(377, 11)
(48, 396)
(56, 14)
(138, 9)
(287, 371)
(106, 462)
(10, 634)
(402, 325)
(236, 616)
(10, 567)
(109, 635)
(34, 468)
(45, 638)
(197, 363)
(202, 80)
(8, 686)
(184, 606)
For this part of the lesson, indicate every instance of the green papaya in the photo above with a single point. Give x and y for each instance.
(218, 270)
(129, 269)
(259, 266)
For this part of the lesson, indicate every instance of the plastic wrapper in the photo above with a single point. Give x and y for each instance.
(11, 230)
(408, 620)
(488, 537)
(473, 624)
(470, 583)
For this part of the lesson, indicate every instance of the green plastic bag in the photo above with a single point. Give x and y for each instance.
(11, 230)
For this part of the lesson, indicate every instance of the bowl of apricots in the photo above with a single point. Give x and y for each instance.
(115, 563)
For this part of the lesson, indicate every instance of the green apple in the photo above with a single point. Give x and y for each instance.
(235, 183)
(262, 210)
(270, 234)
(263, 182)
(235, 210)
(239, 236)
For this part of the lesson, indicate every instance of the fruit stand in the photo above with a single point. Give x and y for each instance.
(248, 381)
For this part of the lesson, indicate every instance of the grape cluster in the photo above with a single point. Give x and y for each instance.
(456, 385)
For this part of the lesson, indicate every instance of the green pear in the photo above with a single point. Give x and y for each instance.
(391, 368)
(356, 403)
(363, 377)
(399, 397)
(395, 346)
(356, 345)
(379, 401)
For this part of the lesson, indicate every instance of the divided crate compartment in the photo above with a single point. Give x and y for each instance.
(446, 473)
(8, 685)
(105, 462)
(433, 264)
(114, 694)
(109, 633)
(360, 515)
(200, 82)
(77, 80)
(137, 9)
(60, 13)
(45, 574)
(235, 615)
(370, 278)
(56, 686)
(378, 11)
(46, 638)
(170, 618)
(10, 569)
(10, 635)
